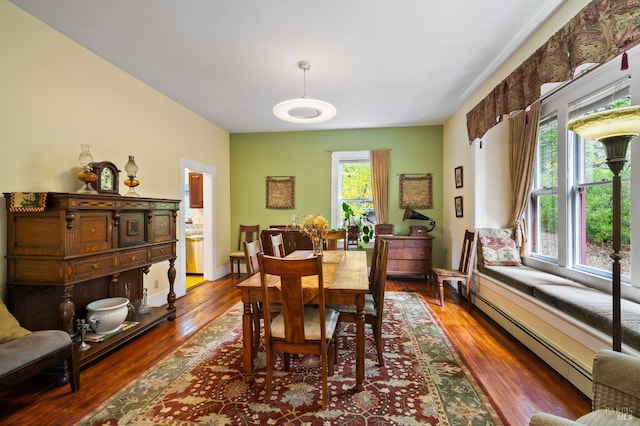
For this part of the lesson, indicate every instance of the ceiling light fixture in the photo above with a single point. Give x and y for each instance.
(304, 109)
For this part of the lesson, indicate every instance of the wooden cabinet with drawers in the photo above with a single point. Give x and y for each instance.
(82, 248)
(293, 240)
(408, 255)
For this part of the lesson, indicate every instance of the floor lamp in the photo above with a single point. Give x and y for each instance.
(614, 128)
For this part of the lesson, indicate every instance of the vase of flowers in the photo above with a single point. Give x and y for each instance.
(314, 227)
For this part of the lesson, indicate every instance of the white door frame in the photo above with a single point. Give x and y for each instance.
(209, 231)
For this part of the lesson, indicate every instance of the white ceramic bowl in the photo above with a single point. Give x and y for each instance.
(106, 315)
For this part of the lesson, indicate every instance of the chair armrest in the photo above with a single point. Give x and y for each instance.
(544, 419)
(616, 380)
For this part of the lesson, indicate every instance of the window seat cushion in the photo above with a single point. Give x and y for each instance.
(594, 307)
(527, 279)
(588, 305)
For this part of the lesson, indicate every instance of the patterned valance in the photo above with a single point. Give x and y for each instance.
(601, 31)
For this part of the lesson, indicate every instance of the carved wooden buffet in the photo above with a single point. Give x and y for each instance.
(82, 248)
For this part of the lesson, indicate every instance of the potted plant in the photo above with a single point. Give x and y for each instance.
(357, 229)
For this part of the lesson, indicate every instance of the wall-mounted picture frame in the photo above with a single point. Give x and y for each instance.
(458, 205)
(281, 192)
(458, 176)
(416, 191)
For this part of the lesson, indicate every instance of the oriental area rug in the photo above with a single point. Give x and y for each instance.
(423, 381)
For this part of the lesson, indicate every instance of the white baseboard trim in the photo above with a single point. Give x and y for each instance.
(553, 356)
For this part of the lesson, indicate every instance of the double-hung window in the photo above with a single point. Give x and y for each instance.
(570, 204)
(351, 184)
(592, 189)
(544, 196)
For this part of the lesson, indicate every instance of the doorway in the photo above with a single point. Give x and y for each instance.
(197, 229)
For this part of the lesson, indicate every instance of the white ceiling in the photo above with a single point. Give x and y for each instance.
(381, 63)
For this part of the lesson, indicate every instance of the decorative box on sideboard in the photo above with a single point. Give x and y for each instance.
(82, 248)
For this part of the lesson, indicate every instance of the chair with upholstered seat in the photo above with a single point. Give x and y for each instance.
(616, 400)
(246, 233)
(464, 271)
(330, 239)
(24, 353)
(278, 245)
(374, 300)
(298, 329)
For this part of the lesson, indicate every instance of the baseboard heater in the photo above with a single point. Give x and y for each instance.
(542, 344)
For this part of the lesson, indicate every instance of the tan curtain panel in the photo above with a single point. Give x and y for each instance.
(380, 184)
(523, 137)
(601, 31)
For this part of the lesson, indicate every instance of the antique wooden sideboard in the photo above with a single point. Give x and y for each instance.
(82, 247)
(292, 238)
(408, 255)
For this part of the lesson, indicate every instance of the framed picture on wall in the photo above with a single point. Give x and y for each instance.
(458, 176)
(416, 191)
(458, 205)
(281, 192)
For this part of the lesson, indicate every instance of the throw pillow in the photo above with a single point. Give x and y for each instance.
(9, 327)
(499, 251)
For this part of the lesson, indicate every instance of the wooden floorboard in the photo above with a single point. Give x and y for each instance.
(517, 382)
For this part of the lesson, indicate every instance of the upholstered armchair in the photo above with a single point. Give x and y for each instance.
(616, 394)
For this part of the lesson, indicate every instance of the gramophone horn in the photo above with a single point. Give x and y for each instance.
(409, 213)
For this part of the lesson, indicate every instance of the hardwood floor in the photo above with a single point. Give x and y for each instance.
(517, 382)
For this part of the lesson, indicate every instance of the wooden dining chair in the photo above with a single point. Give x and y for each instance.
(375, 254)
(278, 245)
(384, 229)
(299, 328)
(374, 300)
(464, 271)
(246, 233)
(251, 251)
(330, 239)
(353, 235)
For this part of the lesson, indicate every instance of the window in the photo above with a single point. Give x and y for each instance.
(593, 190)
(544, 196)
(570, 202)
(351, 184)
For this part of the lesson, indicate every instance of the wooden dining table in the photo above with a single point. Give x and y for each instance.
(346, 281)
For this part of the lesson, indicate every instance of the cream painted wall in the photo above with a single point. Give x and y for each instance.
(486, 169)
(55, 95)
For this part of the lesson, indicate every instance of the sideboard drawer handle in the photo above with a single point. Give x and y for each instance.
(95, 266)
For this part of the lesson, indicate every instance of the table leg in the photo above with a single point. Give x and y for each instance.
(359, 343)
(247, 340)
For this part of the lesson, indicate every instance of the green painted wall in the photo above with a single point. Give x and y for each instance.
(307, 156)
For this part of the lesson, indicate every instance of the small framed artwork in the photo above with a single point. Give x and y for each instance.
(281, 192)
(458, 176)
(458, 204)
